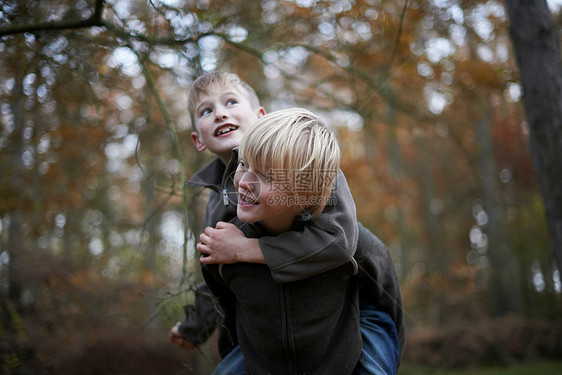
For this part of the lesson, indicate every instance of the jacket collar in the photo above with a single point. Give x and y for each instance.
(215, 174)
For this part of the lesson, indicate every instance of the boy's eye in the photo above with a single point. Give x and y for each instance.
(205, 111)
(231, 102)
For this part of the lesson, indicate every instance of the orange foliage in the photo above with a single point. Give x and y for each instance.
(412, 168)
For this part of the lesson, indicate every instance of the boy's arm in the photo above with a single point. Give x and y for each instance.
(326, 242)
(226, 244)
(200, 319)
(214, 308)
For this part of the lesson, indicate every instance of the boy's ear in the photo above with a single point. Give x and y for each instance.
(200, 146)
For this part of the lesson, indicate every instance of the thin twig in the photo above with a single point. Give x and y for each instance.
(398, 35)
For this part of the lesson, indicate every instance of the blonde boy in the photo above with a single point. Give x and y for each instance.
(288, 163)
(310, 326)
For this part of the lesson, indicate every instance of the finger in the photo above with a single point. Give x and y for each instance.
(202, 248)
(208, 231)
(204, 238)
(222, 225)
(229, 226)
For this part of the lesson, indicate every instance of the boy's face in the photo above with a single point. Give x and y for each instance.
(262, 199)
(222, 116)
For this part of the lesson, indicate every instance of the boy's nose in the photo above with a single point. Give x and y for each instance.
(247, 180)
(243, 182)
(220, 114)
(220, 117)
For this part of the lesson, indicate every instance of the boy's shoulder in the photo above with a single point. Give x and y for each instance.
(210, 174)
(215, 172)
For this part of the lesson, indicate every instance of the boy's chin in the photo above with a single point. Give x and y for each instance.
(230, 141)
(244, 218)
(224, 150)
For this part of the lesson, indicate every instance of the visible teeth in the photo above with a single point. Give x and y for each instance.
(247, 199)
(226, 129)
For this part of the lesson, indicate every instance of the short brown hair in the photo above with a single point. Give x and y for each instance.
(220, 78)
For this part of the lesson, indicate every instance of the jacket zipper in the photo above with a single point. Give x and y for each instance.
(287, 330)
(225, 197)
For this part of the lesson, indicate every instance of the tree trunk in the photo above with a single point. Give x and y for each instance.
(505, 277)
(537, 50)
(434, 258)
(15, 244)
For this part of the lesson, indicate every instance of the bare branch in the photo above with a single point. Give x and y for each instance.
(177, 148)
(94, 20)
(399, 34)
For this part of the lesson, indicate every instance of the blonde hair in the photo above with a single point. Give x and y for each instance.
(219, 79)
(295, 145)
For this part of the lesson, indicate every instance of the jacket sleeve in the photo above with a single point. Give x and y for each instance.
(379, 280)
(200, 318)
(214, 308)
(326, 241)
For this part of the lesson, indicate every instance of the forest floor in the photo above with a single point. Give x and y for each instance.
(509, 346)
(531, 368)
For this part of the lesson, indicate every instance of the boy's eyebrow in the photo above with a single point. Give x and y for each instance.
(230, 93)
(199, 105)
(226, 94)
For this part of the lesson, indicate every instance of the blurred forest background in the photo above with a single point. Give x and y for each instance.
(97, 227)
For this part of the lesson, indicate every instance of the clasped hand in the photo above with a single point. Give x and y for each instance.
(226, 244)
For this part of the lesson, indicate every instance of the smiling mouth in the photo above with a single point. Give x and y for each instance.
(222, 130)
(246, 200)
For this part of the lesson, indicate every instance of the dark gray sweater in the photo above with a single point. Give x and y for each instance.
(309, 326)
(332, 238)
